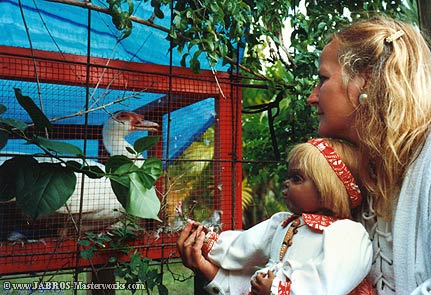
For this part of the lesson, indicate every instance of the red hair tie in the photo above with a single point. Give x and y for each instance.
(340, 169)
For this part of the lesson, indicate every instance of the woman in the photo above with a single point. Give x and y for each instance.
(374, 90)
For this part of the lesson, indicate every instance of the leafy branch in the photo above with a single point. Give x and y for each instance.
(193, 27)
(137, 268)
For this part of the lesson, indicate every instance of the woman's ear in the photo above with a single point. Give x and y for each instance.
(360, 81)
(355, 88)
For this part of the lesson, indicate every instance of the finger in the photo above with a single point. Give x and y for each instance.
(199, 239)
(271, 274)
(259, 278)
(199, 230)
(189, 253)
(253, 284)
(185, 233)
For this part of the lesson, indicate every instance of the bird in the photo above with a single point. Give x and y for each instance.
(114, 131)
(100, 206)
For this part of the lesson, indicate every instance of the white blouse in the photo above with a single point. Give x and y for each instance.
(381, 275)
(323, 259)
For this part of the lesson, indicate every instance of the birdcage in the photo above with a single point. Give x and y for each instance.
(62, 58)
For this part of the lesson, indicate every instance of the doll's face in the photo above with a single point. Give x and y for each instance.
(300, 193)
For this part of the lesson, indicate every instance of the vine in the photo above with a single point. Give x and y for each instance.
(136, 269)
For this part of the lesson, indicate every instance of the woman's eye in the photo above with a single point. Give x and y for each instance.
(322, 79)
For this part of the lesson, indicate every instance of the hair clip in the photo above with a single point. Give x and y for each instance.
(394, 36)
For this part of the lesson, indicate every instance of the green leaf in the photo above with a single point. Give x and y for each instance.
(116, 161)
(20, 125)
(142, 203)
(59, 147)
(162, 290)
(91, 171)
(183, 59)
(36, 115)
(7, 180)
(195, 64)
(86, 254)
(84, 243)
(120, 182)
(153, 167)
(112, 259)
(159, 13)
(145, 143)
(3, 139)
(42, 188)
(145, 179)
(130, 150)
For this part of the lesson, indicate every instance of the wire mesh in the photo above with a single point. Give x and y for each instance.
(199, 133)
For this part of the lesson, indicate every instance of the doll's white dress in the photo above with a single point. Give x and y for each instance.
(327, 256)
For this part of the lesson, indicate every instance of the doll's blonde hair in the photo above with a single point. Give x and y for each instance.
(394, 121)
(312, 162)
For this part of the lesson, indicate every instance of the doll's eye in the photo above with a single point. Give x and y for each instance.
(295, 178)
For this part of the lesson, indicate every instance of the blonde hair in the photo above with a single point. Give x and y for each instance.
(393, 123)
(333, 193)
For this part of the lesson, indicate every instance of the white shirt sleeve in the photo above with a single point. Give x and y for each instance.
(239, 250)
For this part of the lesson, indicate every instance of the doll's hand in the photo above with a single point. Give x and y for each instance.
(261, 285)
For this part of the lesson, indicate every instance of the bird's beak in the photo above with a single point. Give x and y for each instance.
(139, 123)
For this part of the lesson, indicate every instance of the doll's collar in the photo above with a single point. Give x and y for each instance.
(317, 221)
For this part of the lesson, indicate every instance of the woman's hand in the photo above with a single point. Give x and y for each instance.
(189, 245)
(262, 284)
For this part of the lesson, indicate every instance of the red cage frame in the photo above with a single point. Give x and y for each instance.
(19, 64)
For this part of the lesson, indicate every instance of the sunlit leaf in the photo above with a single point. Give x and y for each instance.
(153, 167)
(142, 203)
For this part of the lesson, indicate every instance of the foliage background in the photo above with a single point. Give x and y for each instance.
(304, 26)
(281, 42)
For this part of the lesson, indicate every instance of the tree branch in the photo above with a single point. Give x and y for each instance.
(135, 19)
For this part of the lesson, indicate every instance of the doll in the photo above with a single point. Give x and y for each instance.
(313, 249)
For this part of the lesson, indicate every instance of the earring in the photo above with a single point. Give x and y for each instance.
(363, 97)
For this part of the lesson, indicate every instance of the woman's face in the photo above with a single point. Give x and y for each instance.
(300, 193)
(335, 102)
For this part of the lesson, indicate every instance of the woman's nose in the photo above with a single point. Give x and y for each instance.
(313, 98)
